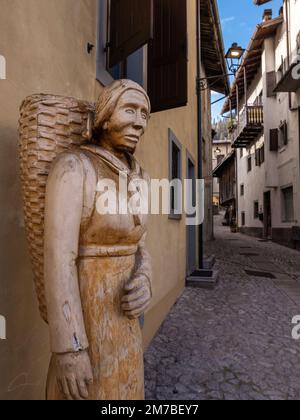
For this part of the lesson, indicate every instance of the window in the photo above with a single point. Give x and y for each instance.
(271, 83)
(257, 157)
(288, 204)
(243, 218)
(256, 210)
(283, 134)
(262, 154)
(175, 174)
(274, 140)
(242, 190)
(161, 67)
(249, 164)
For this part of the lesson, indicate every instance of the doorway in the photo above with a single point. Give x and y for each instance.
(267, 215)
(191, 230)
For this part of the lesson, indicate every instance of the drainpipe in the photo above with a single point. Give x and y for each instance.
(287, 15)
(199, 128)
(201, 278)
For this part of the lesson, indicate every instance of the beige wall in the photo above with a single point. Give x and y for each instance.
(44, 42)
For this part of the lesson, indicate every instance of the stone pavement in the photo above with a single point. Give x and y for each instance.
(234, 342)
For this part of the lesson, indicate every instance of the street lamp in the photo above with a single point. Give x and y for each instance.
(234, 56)
(218, 151)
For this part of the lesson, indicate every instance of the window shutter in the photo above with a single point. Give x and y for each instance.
(262, 154)
(271, 83)
(257, 157)
(285, 133)
(167, 59)
(274, 140)
(131, 27)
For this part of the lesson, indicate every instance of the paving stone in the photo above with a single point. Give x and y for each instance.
(234, 342)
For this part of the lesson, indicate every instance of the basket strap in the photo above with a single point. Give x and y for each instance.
(90, 185)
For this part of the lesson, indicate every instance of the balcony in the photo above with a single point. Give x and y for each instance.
(249, 126)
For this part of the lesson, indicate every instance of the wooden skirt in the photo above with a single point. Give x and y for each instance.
(115, 342)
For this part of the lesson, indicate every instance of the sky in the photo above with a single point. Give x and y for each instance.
(239, 19)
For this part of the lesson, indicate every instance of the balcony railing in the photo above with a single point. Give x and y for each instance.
(249, 126)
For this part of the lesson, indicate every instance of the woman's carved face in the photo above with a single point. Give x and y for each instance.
(127, 123)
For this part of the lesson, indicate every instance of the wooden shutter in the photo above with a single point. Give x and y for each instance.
(167, 60)
(262, 154)
(131, 27)
(271, 83)
(274, 140)
(285, 133)
(257, 157)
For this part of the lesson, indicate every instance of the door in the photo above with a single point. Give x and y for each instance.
(267, 215)
(191, 230)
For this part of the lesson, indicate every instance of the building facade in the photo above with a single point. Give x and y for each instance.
(60, 47)
(265, 98)
(220, 150)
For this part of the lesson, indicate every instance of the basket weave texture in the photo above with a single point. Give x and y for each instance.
(48, 126)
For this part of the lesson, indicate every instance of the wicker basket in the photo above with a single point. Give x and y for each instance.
(49, 125)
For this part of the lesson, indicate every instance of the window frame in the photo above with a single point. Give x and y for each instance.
(103, 75)
(243, 218)
(283, 138)
(173, 141)
(249, 163)
(283, 204)
(256, 210)
(242, 190)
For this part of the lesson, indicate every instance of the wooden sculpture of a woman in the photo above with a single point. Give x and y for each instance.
(97, 272)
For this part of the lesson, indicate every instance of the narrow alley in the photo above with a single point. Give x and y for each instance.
(235, 342)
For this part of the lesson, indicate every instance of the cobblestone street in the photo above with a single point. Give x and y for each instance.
(234, 342)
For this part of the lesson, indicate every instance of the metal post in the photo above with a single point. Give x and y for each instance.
(199, 128)
(245, 86)
(237, 107)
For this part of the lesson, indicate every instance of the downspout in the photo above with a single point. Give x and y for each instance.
(287, 15)
(199, 128)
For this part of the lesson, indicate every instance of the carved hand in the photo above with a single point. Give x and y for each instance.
(137, 297)
(74, 374)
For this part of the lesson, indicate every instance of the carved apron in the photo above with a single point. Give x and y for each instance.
(104, 267)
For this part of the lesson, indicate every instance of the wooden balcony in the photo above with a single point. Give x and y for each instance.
(249, 126)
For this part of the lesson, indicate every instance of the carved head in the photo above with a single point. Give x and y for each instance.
(122, 115)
